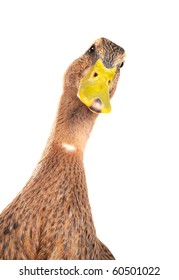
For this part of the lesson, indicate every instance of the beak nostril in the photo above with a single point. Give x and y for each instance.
(95, 74)
(109, 82)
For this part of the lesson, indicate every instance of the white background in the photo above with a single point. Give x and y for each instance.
(132, 157)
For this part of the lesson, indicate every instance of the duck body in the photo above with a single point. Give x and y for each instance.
(51, 217)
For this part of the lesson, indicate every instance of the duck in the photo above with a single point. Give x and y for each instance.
(51, 218)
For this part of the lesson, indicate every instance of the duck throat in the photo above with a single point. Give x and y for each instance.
(73, 124)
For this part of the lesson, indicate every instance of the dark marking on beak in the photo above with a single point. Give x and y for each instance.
(96, 106)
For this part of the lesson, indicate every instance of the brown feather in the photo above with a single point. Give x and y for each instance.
(51, 217)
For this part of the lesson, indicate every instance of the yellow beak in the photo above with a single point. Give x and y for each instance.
(94, 88)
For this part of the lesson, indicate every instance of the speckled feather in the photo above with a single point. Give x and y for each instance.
(51, 217)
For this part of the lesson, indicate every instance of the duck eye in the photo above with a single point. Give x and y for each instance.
(91, 49)
(122, 64)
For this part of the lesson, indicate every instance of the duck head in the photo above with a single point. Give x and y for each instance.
(95, 74)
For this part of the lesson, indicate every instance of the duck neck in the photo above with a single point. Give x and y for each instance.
(73, 123)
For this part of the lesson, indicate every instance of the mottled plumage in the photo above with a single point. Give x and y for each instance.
(51, 217)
